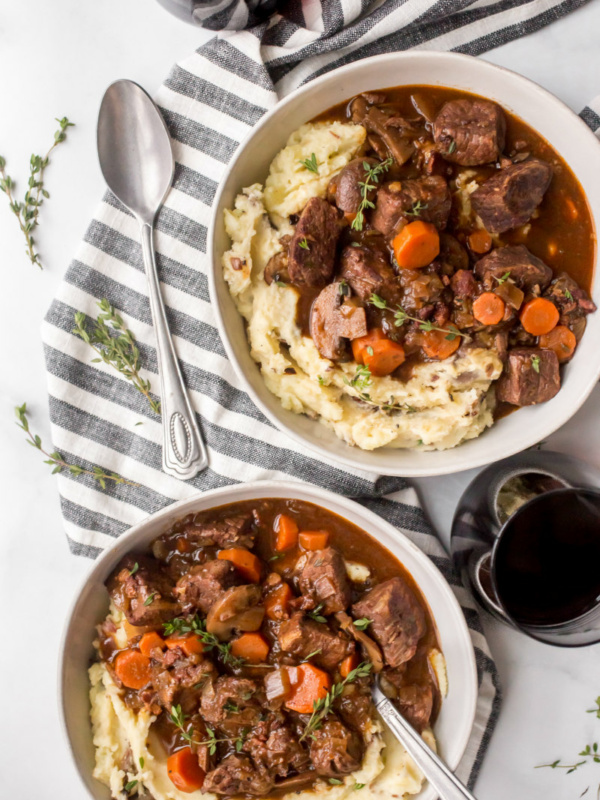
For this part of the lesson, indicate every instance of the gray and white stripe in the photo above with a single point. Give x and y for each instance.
(210, 101)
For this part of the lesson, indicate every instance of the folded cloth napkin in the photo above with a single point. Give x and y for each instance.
(210, 101)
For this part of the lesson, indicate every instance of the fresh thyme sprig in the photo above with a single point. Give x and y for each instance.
(115, 345)
(416, 209)
(316, 614)
(27, 211)
(362, 381)
(589, 755)
(178, 718)
(370, 182)
(535, 363)
(503, 278)
(58, 462)
(311, 164)
(400, 317)
(323, 707)
(362, 624)
(209, 640)
(596, 710)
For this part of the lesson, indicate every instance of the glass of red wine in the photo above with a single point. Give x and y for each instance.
(526, 541)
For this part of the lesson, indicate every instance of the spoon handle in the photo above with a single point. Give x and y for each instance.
(184, 453)
(437, 773)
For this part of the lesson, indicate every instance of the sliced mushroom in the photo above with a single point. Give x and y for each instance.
(399, 146)
(236, 609)
(335, 318)
(372, 650)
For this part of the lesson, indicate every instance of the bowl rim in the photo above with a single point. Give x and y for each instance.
(348, 458)
(292, 489)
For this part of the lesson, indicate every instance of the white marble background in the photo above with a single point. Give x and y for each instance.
(56, 58)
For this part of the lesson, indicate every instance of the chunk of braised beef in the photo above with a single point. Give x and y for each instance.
(453, 255)
(509, 198)
(142, 591)
(368, 271)
(321, 577)
(345, 188)
(516, 263)
(231, 703)
(415, 702)
(199, 588)
(300, 636)
(399, 202)
(237, 775)
(335, 750)
(573, 302)
(311, 256)
(397, 619)
(470, 132)
(422, 289)
(335, 319)
(275, 748)
(234, 531)
(464, 284)
(356, 708)
(531, 375)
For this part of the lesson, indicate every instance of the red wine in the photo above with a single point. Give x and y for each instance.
(547, 560)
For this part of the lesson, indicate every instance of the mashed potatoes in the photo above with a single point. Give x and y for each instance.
(443, 404)
(127, 751)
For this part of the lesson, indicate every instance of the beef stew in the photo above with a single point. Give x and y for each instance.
(242, 621)
(438, 238)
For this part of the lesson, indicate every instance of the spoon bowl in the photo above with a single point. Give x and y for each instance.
(134, 147)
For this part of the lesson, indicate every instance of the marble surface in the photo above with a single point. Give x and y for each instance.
(56, 59)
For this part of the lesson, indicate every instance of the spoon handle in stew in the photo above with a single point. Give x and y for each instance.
(437, 773)
(184, 453)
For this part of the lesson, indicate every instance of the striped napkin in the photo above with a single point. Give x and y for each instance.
(210, 101)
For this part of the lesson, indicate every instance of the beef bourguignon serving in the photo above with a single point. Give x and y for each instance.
(253, 634)
(459, 227)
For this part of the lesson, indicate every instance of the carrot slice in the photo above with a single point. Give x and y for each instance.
(182, 545)
(246, 563)
(417, 244)
(480, 241)
(312, 685)
(277, 602)
(376, 351)
(348, 664)
(436, 345)
(286, 529)
(362, 344)
(151, 641)
(190, 644)
(313, 540)
(488, 308)
(185, 771)
(251, 646)
(560, 339)
(539, 316)
(133, 669)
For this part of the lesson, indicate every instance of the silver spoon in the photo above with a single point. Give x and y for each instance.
(137, 163)
(437, 773)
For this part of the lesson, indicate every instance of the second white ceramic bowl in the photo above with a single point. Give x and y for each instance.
(563, 129)
(455, 721)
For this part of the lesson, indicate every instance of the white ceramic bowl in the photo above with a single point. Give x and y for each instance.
(455, 721)
(557, 124)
